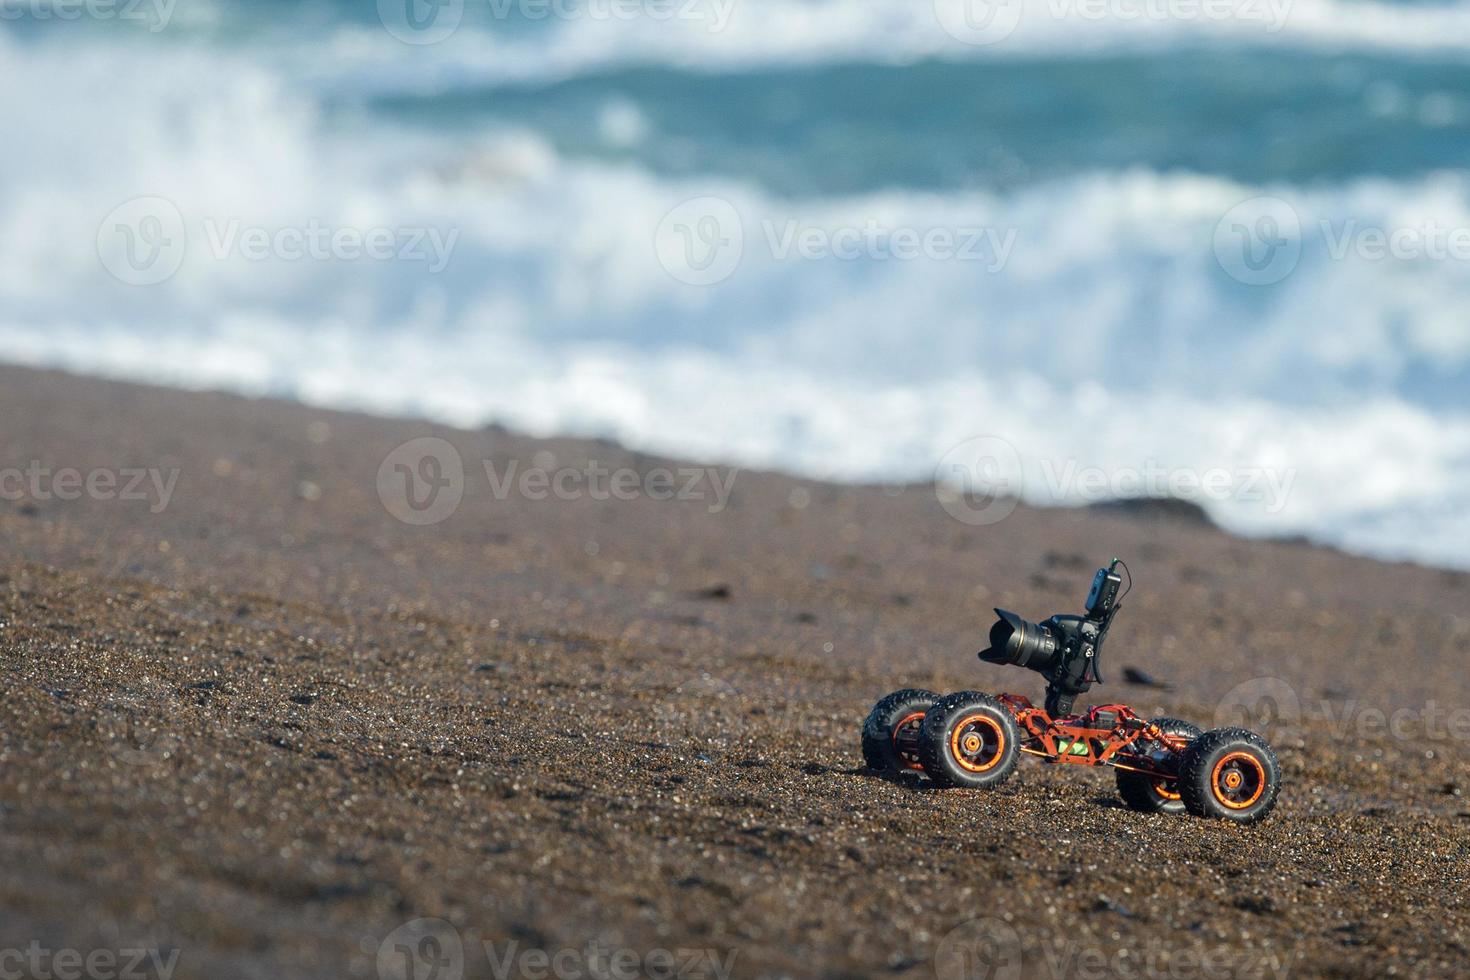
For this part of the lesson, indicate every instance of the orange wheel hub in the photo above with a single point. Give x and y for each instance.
(906, 739)
(1167, 788)
(977, 743)
(1239, 780)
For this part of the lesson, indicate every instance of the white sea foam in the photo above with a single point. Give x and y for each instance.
(1382, 476)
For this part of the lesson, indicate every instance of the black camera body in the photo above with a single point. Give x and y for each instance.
(1064, 649)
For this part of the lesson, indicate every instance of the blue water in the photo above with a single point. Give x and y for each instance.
(1119, 305)
(1252, 116)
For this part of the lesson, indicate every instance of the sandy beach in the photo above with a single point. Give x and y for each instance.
(258, 725)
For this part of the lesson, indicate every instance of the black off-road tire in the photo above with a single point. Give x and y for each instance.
(969, 740)
(1146, 794)
(886, 722)
(1230, 774)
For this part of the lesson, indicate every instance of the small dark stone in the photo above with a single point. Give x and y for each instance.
(1256, 904)
(1159, 508)
(720, 592)
(1142, 678)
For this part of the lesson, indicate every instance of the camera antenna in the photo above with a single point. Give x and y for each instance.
(1107, 623)
(1129, 573)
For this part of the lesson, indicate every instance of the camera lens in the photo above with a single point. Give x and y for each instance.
(1018, 641)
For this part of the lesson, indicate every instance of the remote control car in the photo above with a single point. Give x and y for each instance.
(975, 740)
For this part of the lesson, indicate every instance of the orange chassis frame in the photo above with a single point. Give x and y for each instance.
(1062, 740)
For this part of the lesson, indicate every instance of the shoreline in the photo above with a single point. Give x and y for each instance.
(1146, 506)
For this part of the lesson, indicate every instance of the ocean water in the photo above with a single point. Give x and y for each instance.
(1070, 248)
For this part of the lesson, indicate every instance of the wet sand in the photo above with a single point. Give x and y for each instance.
(270, 727)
